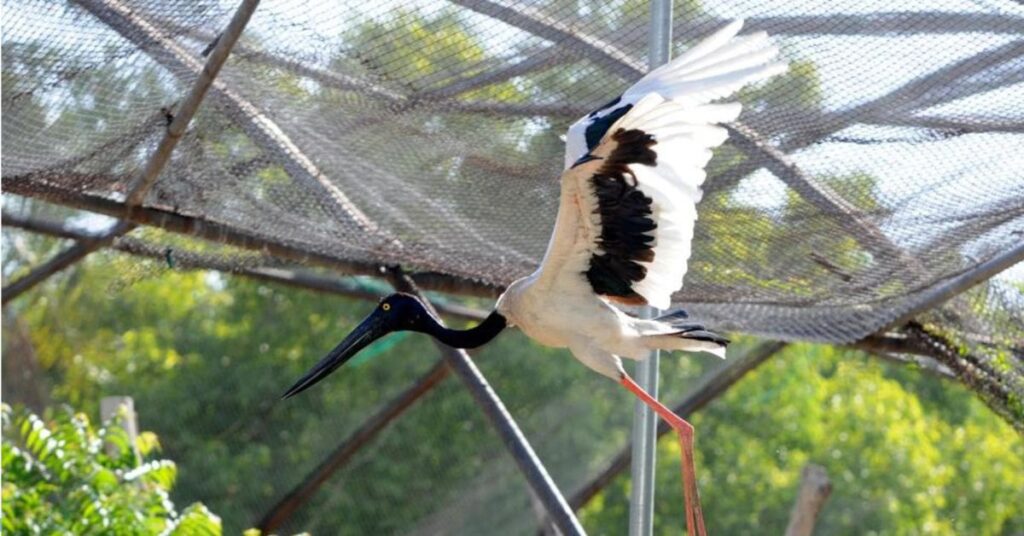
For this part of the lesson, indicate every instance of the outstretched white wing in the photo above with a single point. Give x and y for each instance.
(629, 196)
(714, 68)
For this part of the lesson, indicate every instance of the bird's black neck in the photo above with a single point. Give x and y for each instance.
(478, 335)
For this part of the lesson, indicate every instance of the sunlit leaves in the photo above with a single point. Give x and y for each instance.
(63, 475)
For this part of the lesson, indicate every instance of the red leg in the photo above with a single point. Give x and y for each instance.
(694, 516)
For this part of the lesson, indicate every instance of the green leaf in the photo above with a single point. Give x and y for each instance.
(196, 520)
(159, 472)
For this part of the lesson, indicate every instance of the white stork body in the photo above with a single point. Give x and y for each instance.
(592, 328)
(628, 205)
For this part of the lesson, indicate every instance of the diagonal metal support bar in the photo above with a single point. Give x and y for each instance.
(62, 260)
(269, 272)
(42, 186)
(539, 24)
(523, 454)
(882, 24)
(264, 132)
(939, 294)
(142, 183)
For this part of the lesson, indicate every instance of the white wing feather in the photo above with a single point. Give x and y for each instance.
(670, 104)
(714, 68)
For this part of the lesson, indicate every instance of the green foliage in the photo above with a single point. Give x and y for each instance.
(66, 476)
(900, 463)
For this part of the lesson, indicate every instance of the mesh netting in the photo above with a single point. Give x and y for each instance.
(883, 167)
(426, 135)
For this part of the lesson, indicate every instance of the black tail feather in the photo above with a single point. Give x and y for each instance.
(672, 317)
(705, 335)
(678, 319)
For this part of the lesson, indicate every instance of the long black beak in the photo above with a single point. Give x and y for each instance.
(370, 330)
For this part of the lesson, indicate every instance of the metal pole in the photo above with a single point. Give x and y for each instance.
(645, 424)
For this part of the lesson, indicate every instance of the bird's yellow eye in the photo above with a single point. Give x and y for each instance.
(386, 306)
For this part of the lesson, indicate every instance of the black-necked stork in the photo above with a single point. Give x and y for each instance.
(633, 171)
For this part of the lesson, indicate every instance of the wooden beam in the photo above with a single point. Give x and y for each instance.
(205, 76)
(890, 347)
(62, 260)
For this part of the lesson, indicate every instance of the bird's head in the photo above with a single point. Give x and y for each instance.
(397, 312)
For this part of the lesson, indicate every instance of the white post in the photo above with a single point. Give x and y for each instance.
(645, 424)
(110, 407)
(815, 487)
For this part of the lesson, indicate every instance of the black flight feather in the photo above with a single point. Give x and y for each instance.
(627, 222)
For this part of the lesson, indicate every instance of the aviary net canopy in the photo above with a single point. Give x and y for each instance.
(427, 135)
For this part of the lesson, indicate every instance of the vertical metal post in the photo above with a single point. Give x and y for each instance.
(645, 425)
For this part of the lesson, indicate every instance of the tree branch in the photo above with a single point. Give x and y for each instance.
(543, 59)
(902, 351)
(849, 217)
(938, 83)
